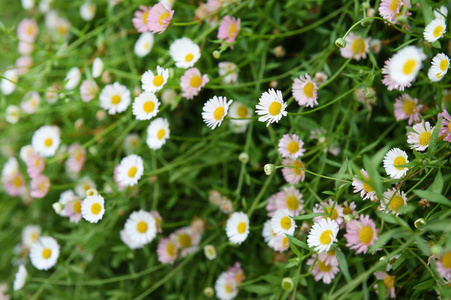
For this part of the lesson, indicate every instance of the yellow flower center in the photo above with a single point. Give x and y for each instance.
(195, 81)
(242, 111)
(424, 138)
(17, 181)
(400, 160)
(162, 17)
(293, 147)
(79, 156)
(389, 281)
(170, 249)
(228, 289)
(409, 66)
(158, 80)
(241, 228)
(367, 187)
(444, 64)
(149, 106)
(141, 227)
(396, 202)
(292, 202)
(297, 164)
(145, 15)
(62, 29)
(96, 208)
(308, 90)
(48, 142)
(446, 260)
(132, 171)
(409, 107)
(161, 133)
(77, 207)
(347, 211)
(218, 113)
(326, 237)
(184, 240)
(275, 108)
(285, 242)
(438, 31)
(46, 252)
(334, 215)
(42, 186)
(34, 237)
(285, 223)
(30, 30)
(323, 267)
(331, 252)
(366, 234)
(189, 57)
(86, 187)
(358, 46)
(232, 30)
(394, 5)
(116, 99)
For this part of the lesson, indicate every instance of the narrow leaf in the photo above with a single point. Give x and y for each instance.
(433, 197)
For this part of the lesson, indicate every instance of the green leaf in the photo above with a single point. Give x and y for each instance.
(434, 137)
(293, 246)
(343, 265)
(422, 245)
(433, 197)
(383, 239)
(297, 242)
(424, 285)
(291, 264)
(308, 216)
(259, 289)
(427, 12)
(437, 185)
(436, 44)
(381, 290)
(341, 172)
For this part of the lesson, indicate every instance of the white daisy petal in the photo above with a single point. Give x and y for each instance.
(154, 83)
(271, 107)
(141, 228)
(93, 208)
(435, 30)
(46, 140)
(130, 170)
(215, 110)
(237, 227)
(115, 98)
(322, 235)
(281, 223)
(157, 133)
(184, 52)
(392, 159)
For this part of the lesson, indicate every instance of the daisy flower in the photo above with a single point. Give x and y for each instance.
(337, 213)
(157, 133)
(268, 234)
(40, 186)
(435, 30)
(30, 102)
(25, 48)
(210, 252)
(281, 223)
(393, 200)
(192, 82)
(88, 90)
(365, 189)
(72, 79)
(439, 67)
(97, 67)
(328, 257)
(87, 11)
(444, 265)
(159, 17)
(419, 139)
(356, 47)
(8, 83)
(140, 19)
(271, 107)
(445, 130)
(27, 4)
(23, 64)
(323, 271)
(30, 234)
(290, 145)
(115, 98)
(293, 175)
(288, 198)
(145, 106)
(21, 276)
(242, 111)
(130, 170)
(154, 83)
(158, 220)
(402, 68)
(229, 72)
(394, 158)
(93, 208)
(391, 9)
(322, 235)
(46, 140)
(281, 243)
(141, 227)
(237, 227)
(186, 239)
(184, 52)
(407, 108)
(305, 91)
(13, 181)
(349, 208)
(35, 164)
(12, 114)
(77, 157)
(361, 234)
(167, 251)
(72, 210)
(83, 185)
(27, 30)
(44, 253)
(229, 29)
(225, 287)
(215, 110)
(389, 282)
(128, 241)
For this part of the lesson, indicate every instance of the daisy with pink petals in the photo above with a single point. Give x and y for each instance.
(444, 265)
(40, 186)
(192, 82)
(140, 19)
(72, 210)
(159, 17)
(293, 175)
(420, 137)
(281, 243)
(328, 257)
(290, 145)
(323, 271)
(23, 64)
(27, 30)
(290, 198)
(407, 108)
(445, 130)
(77, 157)
(356, 47)
(337, 213)
(271, 206)
(13, 181)
(389, 281)
(167, 251)
(305, 91)
(35, 164)
(229, 29)
(361, 234)
(365, 189)
(349, 208)
(88, 90)
(391, 9)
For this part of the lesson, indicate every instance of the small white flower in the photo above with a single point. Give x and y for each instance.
(144, 44)
(44, 253)
(435, 30)
(46, 140)
(392, 160)
(84, 184)
(405, 64)
(72, 79)
(215, 110)
(157, 133)
(439, 67)
(322, 235)
(130, 170)
(145, 106)
(154, 83)
(27, 4)
(184, 52)
(97, 67)
(281, 223)
(128, 241)
(115, 98)
(141, 227)
(271, 107)
(240, 110)
(230, 72)
(25, 152)
(87, 11)
(392, 201)
(8, 84)
(226, 288)
(268, 234)
(21, 276)
(30, 234)
(419, 139)
(12, 114)
(93, 208)
(237, 227)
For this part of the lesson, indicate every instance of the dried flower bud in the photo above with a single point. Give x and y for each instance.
(423, 203)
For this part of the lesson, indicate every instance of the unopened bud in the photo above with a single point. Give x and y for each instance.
(216, 54)
(209, 292)
(210, 252)
(287, 284)
(58, 207)
(419, 223)
(348, 218)
(340, 42)
(269, 169)
(401, 19)
(383, 258)
(369, 95)
(243, 157)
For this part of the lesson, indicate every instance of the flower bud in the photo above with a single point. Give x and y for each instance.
(58, 207)
(287, 284)
(340, 42)
(209, 292)
(210, 252)
(216, 54)
(419, 223)
(243, 157)
(348, 218)
(269, 169)
(401, 19)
